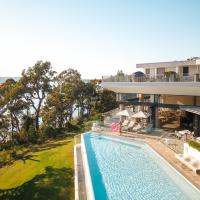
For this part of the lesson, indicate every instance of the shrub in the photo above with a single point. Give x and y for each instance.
(22, 138)
(5, 157)
(32, 134)
(194, 144)
(96, 116)
(87, 125)
(50, 132)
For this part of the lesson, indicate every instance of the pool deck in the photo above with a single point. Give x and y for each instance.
(166, 153)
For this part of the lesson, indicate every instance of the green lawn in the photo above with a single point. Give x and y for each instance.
(44, 174)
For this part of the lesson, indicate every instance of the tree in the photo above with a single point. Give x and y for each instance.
(13, 104)
(59, 107)
(107, 101)
(36, 83)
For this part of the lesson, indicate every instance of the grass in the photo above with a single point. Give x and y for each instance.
(45, 173)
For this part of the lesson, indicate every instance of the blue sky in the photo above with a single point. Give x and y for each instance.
(97, 37)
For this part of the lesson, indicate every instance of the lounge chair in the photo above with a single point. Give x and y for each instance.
(125, 123)
(138, 127)
(178, 135)
(130, 126)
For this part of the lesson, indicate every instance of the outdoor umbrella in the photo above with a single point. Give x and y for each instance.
(126, 113)
(141, 114)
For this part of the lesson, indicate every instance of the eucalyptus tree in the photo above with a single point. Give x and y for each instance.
(36, 83)
(59, 106)
(12, 108)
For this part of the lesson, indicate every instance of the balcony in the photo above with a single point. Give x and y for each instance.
(151, 78)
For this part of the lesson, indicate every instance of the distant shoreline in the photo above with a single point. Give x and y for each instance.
(3, 79)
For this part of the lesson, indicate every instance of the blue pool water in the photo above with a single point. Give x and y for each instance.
(131, 170)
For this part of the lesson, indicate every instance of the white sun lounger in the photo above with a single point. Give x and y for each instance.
(130, 126)
(125, 123)
(138, 127)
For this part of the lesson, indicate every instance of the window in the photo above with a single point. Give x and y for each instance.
(185, 71)
(148, 71)
(160, 71)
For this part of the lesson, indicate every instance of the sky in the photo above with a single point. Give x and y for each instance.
(96, 37)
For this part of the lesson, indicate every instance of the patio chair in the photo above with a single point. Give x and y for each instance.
(148, 129)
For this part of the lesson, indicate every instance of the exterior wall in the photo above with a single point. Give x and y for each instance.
(168, 64)
(152, 72)
(192, 70)
(173, 69)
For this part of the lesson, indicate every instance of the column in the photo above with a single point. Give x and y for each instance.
(121, 107)
(196, 125)
(154, 112)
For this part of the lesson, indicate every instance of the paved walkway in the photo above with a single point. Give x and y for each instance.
(169, 155)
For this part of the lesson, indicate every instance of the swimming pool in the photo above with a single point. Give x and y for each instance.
(131, 170)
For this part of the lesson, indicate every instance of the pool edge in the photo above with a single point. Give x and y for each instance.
(88, 180)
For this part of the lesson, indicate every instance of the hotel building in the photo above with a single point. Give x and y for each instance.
(173, 85)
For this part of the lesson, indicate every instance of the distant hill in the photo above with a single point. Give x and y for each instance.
(3, 79)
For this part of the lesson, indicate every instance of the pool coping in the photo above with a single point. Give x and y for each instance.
(88, 180)
(76, 188)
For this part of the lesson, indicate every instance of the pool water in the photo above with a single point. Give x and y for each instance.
(126, 170)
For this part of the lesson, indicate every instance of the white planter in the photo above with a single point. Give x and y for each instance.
(189, 151)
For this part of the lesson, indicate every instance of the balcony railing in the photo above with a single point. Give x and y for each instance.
(149, 78)
(124, 78)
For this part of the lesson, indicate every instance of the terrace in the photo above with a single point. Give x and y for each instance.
(175, 71)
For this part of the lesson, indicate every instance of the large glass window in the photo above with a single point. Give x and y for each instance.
(185, 71)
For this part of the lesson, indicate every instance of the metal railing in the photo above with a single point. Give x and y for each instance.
(186, 78)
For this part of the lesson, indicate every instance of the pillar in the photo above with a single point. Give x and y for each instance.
(154, 113)
(196, 77)
(141, 99)
(196, 125)
(121, 107)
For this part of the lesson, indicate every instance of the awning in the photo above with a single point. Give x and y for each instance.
(191, 109)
